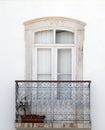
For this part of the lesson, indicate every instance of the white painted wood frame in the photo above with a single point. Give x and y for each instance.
(54, 23)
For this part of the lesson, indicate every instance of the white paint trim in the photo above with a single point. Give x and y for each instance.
(54, 23)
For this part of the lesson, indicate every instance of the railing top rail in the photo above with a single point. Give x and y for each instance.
(53, 81)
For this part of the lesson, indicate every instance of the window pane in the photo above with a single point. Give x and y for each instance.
(43, 72)
(64, 77)
(44, 61)
(64, 37)
(64, 61)
(44, 76)
(44, 37)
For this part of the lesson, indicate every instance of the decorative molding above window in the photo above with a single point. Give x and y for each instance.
(55, 22)
(56, 32)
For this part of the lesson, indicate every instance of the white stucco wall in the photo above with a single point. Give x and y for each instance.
(12, 49)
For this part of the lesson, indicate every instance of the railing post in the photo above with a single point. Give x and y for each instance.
(89, 102)
(16, 94)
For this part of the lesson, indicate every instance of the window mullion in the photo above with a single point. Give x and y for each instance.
(54, 36)
(34, 64)
(73, 63)
(54, 63)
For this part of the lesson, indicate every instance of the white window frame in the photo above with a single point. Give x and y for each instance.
(54, 48)
(55, 23)
(53, 60)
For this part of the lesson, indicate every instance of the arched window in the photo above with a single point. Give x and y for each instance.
(54, 49)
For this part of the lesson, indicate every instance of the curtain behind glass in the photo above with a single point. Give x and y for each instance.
(64, 37)
(43, 72)
(64, 64)
(44, 64)
(44, 37)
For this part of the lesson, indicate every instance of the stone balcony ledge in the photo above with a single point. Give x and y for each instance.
(44, 126)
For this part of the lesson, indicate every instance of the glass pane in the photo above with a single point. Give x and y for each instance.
(64, 61)
(43, 61)
(44, 76)
(44, 37)
(64, 77)
(64, 37)
(43, 72)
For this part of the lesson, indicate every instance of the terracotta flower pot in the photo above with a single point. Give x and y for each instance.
(32, 118)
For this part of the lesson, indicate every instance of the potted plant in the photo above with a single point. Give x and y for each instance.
(23, 105)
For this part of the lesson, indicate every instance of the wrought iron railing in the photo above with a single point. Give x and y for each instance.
(58, 101)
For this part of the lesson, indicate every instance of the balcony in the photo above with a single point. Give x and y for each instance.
(53, 104)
